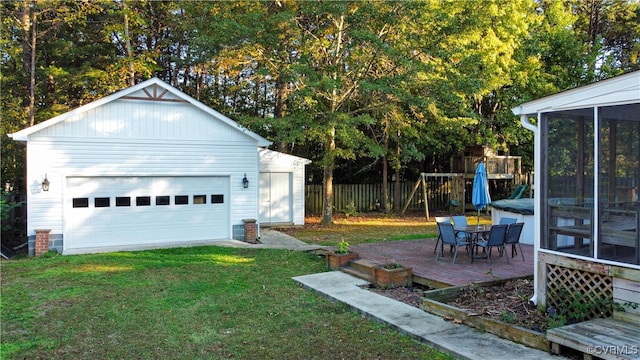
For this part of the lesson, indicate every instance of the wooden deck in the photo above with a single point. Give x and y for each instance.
(419, 255)
(599, 338)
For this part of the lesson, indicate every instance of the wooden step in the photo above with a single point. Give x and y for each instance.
(363, 265)
(361, 268)
(357, 273)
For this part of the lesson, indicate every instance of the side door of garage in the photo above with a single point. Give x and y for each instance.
(275, 197)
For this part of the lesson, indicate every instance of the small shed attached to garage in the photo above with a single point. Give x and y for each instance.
(282, 180)
(146, 167)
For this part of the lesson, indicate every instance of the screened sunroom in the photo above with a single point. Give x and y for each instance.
(592, 161)
(587, 176)
(588, 169)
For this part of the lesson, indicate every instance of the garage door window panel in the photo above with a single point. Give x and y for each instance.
(80, 202)
(217, 199)
(123, 201)
(143, 200)
(182, 200)
(199, 199)
(162, 200)
(102, 202)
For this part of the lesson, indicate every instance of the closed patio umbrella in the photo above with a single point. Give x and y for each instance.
(480, 197)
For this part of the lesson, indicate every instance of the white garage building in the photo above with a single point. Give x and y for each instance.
(146, 167)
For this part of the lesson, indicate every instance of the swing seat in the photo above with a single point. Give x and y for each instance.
(452, 203)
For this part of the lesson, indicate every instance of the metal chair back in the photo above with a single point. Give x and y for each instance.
(447, 234)
(459, 220)
(497, 235)
(513, 238)
(513, 233)
(443, 219)
(508, 221)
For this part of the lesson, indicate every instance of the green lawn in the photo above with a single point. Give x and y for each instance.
(186, 303)
(370, 227)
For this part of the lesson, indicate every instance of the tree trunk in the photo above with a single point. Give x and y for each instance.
(396, 190)
(127, 38)
(329, 157)
(385, 184)
(327, 179)
(280, 106)
(32, 65)
(280, 97)
(385, 173)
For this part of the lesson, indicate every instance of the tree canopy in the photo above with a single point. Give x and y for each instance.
(369, 90)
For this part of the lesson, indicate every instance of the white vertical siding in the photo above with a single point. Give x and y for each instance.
(298, 196)
(272, 161)
(60, 158)
(140, 119)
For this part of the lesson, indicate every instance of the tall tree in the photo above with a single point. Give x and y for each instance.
(610, 33)
(379, 84)
(341, 42)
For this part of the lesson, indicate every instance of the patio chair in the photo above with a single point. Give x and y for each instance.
(448, 236)
(497, 237)
(513, 238)
(508, 221)
(441, 219)
(460, 221)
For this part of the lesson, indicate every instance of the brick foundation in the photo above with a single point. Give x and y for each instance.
(250, 231)
(42, 242)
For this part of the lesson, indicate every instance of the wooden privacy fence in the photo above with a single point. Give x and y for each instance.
(441, 189)
(362, 197)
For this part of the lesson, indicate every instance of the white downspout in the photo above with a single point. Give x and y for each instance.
(524, 120)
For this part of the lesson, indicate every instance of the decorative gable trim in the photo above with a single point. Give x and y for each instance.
(154, 93)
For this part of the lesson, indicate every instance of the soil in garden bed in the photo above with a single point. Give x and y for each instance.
(507, 302)
(406, 294)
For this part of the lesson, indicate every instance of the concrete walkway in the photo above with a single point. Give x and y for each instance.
(459, 340)
(272, 239)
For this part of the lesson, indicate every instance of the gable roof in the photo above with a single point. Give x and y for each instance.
(178, 95)
(271, 154)
(623, 89)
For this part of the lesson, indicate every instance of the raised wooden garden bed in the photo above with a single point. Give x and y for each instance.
(392, 278)
(337, 261)
(435, 302)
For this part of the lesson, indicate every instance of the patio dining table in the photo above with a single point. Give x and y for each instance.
(474, 233)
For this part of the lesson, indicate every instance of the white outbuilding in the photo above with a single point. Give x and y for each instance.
(281, 188)
(149, 167)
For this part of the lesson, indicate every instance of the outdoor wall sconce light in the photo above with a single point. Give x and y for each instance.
(245, 181)
(45, 183)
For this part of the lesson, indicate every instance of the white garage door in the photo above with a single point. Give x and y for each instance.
(129, 211)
